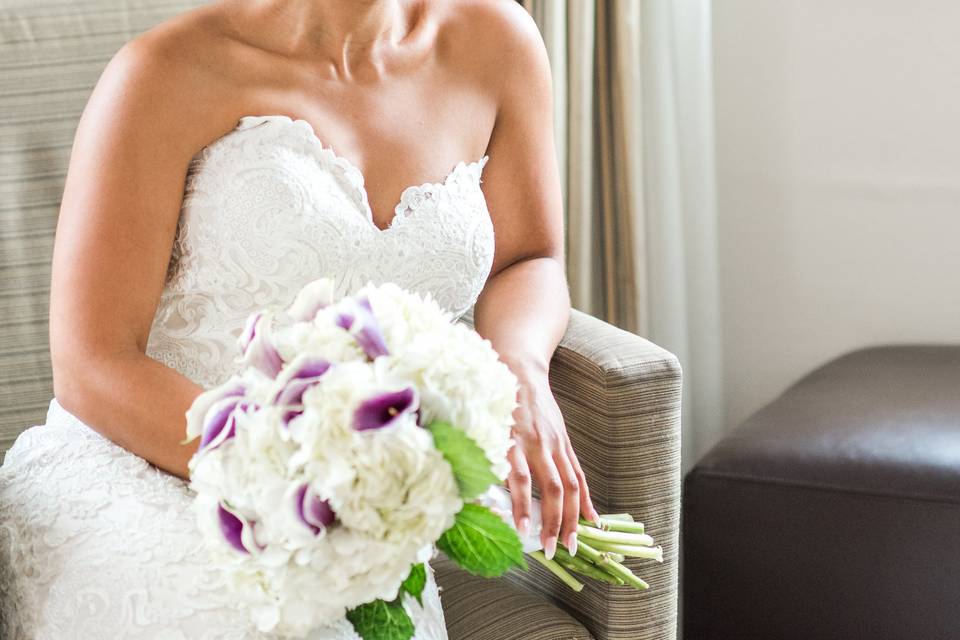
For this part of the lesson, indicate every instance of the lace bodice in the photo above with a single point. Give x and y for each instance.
(268, 208)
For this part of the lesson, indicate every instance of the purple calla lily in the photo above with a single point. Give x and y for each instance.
(235, 529)
(344, 320)
(215, 429)
(313, 511)
(221, 422)
(308, 372)
(356, 316)
(256, 346)
(312, 297)
(384, 409)
(199, 413)
(249, 330)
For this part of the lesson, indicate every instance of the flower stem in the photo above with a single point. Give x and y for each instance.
(581, 566)
(625, 517)
(604, 561)
(615, 537)
(557, 570)
(621, 525)
(612, 524)
(633, 551)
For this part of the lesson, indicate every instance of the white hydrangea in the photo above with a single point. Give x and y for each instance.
(351, 449)
(459, 375)
(457, 380)
(321, 336)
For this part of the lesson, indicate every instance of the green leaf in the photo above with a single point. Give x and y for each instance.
(415, 581)
(381, 620)
(482, 543)
(470, 465)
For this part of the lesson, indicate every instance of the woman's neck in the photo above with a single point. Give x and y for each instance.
(348, 33)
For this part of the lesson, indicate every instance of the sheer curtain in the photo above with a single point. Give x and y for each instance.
(633, 100)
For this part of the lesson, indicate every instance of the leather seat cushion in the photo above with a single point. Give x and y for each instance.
(882, 420)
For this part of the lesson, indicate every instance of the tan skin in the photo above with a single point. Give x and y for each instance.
(404, 89)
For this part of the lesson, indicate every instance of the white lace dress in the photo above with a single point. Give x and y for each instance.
(96, 543)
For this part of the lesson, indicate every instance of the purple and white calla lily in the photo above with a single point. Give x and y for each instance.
(256, 347)
(313, 511)
(301, 374)
(356, 316)
(384, 409)
(198, 413)
(312, 297)
(221, 422)
(237, 530)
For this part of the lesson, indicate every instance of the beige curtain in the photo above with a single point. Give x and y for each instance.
(594, 54)
(633, 114)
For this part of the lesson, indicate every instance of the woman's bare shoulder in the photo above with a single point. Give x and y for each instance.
(499, 19)
(499, 38)
(173, 78)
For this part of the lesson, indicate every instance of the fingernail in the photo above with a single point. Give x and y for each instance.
(550, 548)
(596, 519)
(572, 543)
(524, 526)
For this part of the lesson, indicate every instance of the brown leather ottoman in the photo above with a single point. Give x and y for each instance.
(834, 511)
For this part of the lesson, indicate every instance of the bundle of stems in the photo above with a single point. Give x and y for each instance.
(601, 549)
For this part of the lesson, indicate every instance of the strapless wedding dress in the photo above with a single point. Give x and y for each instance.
(96, 543)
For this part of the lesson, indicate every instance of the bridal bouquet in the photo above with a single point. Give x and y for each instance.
(357, 434)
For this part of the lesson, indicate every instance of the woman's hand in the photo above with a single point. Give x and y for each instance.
(543, 453)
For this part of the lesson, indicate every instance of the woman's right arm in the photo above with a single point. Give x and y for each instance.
(148, 115)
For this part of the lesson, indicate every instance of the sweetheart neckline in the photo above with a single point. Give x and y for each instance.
(358, 174)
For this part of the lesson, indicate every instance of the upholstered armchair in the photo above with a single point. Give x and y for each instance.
(619, 393)
(620, 399)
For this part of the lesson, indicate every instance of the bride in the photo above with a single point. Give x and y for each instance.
(226, 158)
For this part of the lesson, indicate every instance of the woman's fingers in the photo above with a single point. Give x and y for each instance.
(551, 499)
(570, 500)
(543, 454)
(519, 483)
(586, 504)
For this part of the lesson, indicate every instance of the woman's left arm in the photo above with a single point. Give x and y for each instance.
(525, 305)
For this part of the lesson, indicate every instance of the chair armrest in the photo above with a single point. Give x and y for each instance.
(620, 398)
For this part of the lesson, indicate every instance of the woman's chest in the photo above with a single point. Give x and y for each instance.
(270, 206)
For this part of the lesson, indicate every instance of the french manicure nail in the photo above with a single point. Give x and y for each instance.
(524, 526)
(572, 543)
(550, 548)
